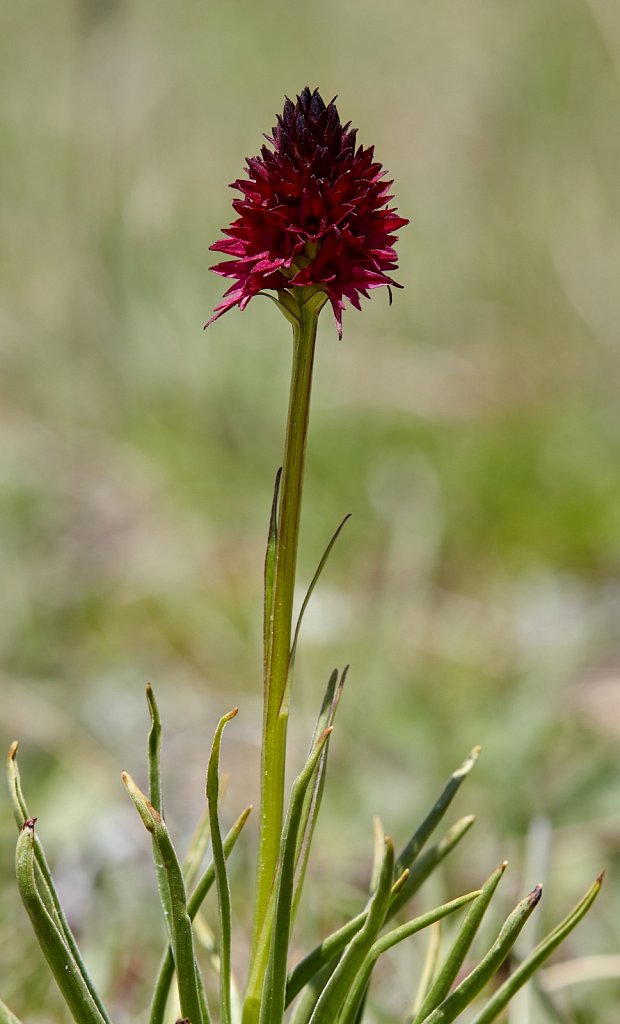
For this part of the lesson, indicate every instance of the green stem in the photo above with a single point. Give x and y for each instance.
(307, 304)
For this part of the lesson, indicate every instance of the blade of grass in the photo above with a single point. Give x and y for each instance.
(62, 963)
(531, 964)
(274, 989)
(357, 991)
(219, 861)
(333, 995)
(191, 996)
(460, 947)
(469, 988)
(43, 877)
(166, 970)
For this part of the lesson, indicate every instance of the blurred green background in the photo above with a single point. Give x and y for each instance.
(473, 430)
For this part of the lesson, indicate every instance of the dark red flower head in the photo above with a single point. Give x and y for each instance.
(314, 212)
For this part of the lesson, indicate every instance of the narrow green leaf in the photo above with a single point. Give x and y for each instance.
(270, 573)
(358, 989)
(155, 793)
(310, 590)
(422, 834)
(43, 875)
(314, 793)
(20, 811)
(156, 800)
(469, 988)
(426, 863)
(166, 970)
(322, 955)
(202, 888)
(330, 948)
(44, 882)
(6, 1016)
(333, 995)
(191, 995)
(460, 947)
(304, 1007)
(333, 945)
(221, 875)
(524, 972)
(59, 956)
(274, 990)
(310, 974)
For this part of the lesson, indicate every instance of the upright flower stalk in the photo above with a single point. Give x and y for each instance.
(279, 599)
(313, 225)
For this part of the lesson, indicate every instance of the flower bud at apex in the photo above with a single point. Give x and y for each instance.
(313, 215)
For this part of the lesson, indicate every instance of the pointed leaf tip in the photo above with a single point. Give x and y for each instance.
(468, 763)
(149, 814)
(13, 750)
(29, 824)
(400, 881)
(535, 896)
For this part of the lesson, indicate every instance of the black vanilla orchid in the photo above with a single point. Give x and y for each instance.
(314, 213)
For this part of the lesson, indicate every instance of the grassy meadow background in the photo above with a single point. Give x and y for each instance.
(473, 431)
